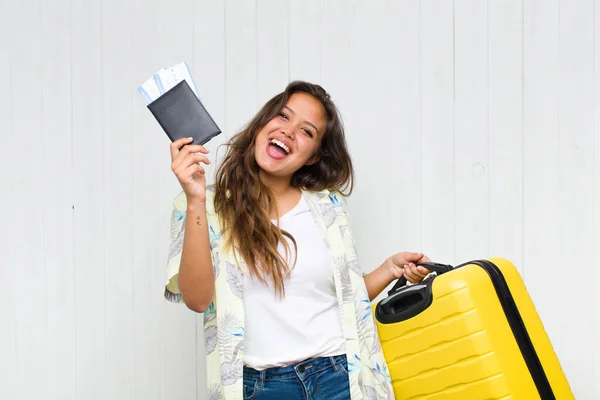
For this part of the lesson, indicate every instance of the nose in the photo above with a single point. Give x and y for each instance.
(288, 132)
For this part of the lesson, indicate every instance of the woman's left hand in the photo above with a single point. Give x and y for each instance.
(405, 264)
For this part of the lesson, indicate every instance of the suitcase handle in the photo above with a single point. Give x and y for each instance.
(432, 266)
(404, 304)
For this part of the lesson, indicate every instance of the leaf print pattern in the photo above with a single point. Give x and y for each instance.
(235, 279)
(355, 267)
(377, 396)
(371, 393)
(238, 348)
(328, 214)
(210, 313)
(213, 237)
(354, 364)
(334, 200)
(176, 246)
(379, 371)
(216, 262)
(172, 297)
(210, 338)
(177, 219)
(382, 376)
(376, 345)
(228, 323)
(231, 372)
(231, 342)
(214, 393)
(364, 319)
(345, 281)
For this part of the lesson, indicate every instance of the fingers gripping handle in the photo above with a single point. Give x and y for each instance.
(431, 266)
(401, 305)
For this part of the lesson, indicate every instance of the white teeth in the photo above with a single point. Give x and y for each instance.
(281, 144)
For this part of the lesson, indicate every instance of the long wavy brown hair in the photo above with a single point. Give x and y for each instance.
(243, 202)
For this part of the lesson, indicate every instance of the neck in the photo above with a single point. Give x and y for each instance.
(286, 196)
(279, 186)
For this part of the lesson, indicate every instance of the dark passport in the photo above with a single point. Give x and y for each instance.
(181, 114)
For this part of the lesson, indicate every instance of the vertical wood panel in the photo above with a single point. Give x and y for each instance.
(305, 40)
(337, 54)
(58, 198)
(176, 37)
(384, 136)
(174, 34)
(118, 192)
(210, 71)
(371, 128)
(9, 286)
(471, 129)
(506, 130)
(397, 105)
(575, 173)
(210, 76)
(272, 50)
(27, 201)
(437, 130)
(89, 255)
(595, 352)
(337, 32)
(241, 75)
(337, 43)
(151, 165)
(540, 166)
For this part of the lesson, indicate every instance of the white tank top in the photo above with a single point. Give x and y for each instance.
(306, 321)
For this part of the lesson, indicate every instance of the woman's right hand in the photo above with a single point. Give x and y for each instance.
(186, 166)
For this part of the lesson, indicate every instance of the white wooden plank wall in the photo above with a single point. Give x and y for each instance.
(474, 121)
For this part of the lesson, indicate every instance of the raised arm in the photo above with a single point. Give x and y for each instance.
(195, 277)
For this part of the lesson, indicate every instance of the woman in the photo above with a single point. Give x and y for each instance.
(267, 254)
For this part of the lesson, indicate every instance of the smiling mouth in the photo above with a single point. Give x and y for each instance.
(280, 146)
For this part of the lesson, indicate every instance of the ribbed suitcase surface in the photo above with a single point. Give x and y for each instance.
(462, 346)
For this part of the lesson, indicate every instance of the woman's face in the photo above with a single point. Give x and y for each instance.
(291, 139)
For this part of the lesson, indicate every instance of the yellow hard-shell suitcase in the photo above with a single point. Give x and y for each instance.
(468, 332)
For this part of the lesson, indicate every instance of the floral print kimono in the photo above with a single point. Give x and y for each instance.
(224, 319)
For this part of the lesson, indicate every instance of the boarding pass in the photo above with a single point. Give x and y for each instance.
(164, 79)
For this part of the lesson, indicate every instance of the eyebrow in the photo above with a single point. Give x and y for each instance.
(308, 122)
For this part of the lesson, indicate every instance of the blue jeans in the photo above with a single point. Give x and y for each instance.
(324, 378)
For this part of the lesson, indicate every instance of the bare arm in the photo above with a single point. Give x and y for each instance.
(393, 268)
(196, 278)
(377, 280)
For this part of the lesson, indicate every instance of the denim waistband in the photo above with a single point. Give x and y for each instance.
(305, 368)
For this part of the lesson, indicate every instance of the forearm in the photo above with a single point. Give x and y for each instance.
(378, 280)
(196, 277)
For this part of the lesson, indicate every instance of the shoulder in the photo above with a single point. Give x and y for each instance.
(331, 196)
(337, 198)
